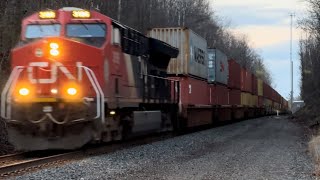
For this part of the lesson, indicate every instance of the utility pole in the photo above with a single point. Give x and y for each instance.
(119, 10)
(291, 62)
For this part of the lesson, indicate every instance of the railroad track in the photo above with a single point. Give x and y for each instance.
(21, 163)
(15, 164)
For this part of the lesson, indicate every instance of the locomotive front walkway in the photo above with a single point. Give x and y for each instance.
(265, 148)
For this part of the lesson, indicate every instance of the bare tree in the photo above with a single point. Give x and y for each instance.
(195, 14)
(309, 55)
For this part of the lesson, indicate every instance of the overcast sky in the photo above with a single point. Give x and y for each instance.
(267, 26)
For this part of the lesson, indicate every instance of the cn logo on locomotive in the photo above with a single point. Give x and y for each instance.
(54, 68)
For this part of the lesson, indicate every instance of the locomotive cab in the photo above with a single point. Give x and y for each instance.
(54, 95)
(73, 23)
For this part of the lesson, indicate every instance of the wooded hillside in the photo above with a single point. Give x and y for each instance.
(141, 15)
(310, 56)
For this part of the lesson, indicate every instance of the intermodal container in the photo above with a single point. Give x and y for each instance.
(267, 91)
(272, 94)
(212, 94)
(218, 67)
(193, 91)
(276, 106)
(260, 101)
(221, 94)
(254, 100)
(260, 87)
(234, 97)
(254, 85)
(267, 102)
(286, 104)
(279, 98)
(192, 59)
(246, 81)
(234, 80)
(246, 99)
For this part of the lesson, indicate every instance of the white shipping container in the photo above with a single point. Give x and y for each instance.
(192, 57)
(218, 67)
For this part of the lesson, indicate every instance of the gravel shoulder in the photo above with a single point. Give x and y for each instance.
(264, 148)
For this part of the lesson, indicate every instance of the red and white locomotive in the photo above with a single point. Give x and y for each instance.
(79, 76)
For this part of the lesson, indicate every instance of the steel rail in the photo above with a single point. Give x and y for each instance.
(10, 157)
(20, 165)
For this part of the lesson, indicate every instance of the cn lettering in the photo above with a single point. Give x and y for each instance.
(55, 69)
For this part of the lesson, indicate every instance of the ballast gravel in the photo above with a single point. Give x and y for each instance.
(264, 148)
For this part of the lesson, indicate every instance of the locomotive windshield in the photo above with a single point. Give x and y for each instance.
(92, 34)
(42, 30)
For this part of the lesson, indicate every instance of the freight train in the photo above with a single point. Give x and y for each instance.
(79, 76)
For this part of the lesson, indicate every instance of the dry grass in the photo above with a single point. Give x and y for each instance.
(309, 118)
(314, 149)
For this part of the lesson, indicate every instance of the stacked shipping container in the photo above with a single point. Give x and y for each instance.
(254, 85)
(191, 66)
(260, 87)
(218, 68)
(192, 59)
(234, 97)
(222, 94)
(218, 73)
(246, 81)
(192, 91)
(234, 81)
(207, 77)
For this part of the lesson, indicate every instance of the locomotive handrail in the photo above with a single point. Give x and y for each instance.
(99, 93)
(6, 112)
(159, 77)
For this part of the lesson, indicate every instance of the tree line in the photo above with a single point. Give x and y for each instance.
(141, 15)
(309, 54)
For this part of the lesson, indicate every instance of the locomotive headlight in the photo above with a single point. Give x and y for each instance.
(54, 91)
(54, 49)
(24, 92)
(72, 91)
(54, 45)
(54, 52)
